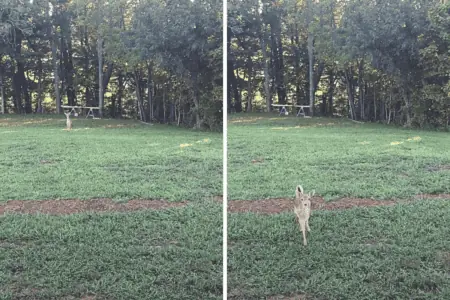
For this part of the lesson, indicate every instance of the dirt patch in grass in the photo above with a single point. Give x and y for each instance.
(438, 168)
(433, 196)
(288, 297)
(279, 205)
(65, 207)
(237, 294)
(118, 125)
(444, 257)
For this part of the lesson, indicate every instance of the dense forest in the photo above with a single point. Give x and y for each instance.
(155, 60)
(371, 60)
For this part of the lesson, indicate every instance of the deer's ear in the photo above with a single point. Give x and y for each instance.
(298, 191)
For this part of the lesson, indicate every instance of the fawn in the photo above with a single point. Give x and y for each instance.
(302, 210)
(68, 121)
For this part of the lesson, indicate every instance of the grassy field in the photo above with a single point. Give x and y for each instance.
(400, 252)
(119, 159)
(335, 157)
(167, 254)
(391, 252)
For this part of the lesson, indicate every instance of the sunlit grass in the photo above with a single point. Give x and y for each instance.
(399, 252)
(336, 157)
(395, 252)
(120, 159)
(169, 254)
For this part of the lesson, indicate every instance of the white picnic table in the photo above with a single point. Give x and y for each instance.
(301, 111)
(73, 108)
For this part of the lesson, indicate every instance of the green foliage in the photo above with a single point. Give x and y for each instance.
(180, 40)
(432, 107)
(382, 55)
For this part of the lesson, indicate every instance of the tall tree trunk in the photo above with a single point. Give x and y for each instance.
(250, 84)
(330, 92)
(18, 71)
(234, 86)
(317, 75)
(263, 45)
(297, 70)
(197, 111)
(268, 94)
(164, 103)
(375, 116)
(56, 71)
(67, 57)
(119, 94)
(113, 105)
(149, 90)
(350, 92)
(24, 86)
(407, 98)
(232, 82)
(85, 45)
(196, 101)
(139, 101)
(311, 72)
(40, 87)
(100, 75)
(361, 89)
(310, 46)
(107, 77)
(2, 88)
(17, 93)
(324, 104)
(277, 54)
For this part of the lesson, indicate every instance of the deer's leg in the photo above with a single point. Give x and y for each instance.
(300, 224)
(307, 225)
(302, 228)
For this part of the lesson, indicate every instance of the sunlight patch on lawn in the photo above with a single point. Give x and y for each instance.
(185, 145)
(8, 131)
(245, 120)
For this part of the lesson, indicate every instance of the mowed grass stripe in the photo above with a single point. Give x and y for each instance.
(391, 252)
(168, 254)
(269, 155)
(119, 159)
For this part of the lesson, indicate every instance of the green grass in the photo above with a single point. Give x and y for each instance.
(400, 252)
(169, 254)
(335, 157)
(119, 159)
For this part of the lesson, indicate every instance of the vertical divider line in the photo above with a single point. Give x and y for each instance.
(225, 152)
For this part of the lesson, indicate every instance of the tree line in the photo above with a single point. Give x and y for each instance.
(156, 60)
(371, 60)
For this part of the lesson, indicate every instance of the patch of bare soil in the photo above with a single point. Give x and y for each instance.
(65, 207)
(238, 295)
(433, 196)
(445, 259)
(291, 297)
(257, 160)
(438, 168)
(279, 205)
